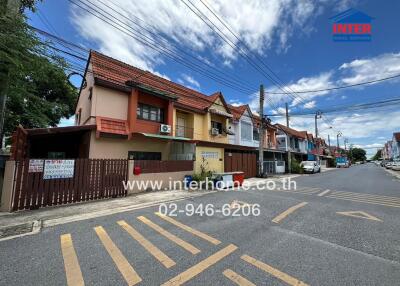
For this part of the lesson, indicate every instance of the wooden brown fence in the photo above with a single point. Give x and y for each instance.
(92, 179)
(154, 166)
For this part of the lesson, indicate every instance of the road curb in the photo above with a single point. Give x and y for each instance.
(38, 225)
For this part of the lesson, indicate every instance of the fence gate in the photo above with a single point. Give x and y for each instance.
(38, 183)
(241, 161)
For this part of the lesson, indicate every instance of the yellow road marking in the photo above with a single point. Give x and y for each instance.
(236, 278)
(363, 201)
(386, 201)
(201, 266)
(273, 271)
(189, 229)
(304, 192)
(365, 196)
(170, 236)
(359, 214)
(323, 193)
(368, 195)
(127, 271)
(150, 247)
(71, 264)
(288, 212)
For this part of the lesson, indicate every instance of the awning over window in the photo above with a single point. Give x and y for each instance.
(220, 112)
(166, 137)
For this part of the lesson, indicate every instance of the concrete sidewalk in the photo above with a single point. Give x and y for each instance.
(31, 221)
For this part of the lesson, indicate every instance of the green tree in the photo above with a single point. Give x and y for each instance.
(378, 155)
(33, 78)
(357, 154)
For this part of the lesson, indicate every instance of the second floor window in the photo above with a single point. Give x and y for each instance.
(256, 135)
(217, 125)
(148, 112)
(246, 131)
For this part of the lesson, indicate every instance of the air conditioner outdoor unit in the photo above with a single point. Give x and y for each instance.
(214, 131)
(164, 128)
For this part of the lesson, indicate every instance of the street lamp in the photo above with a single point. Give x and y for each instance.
(339, 134)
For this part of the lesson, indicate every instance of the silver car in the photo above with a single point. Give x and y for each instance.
(311, 167)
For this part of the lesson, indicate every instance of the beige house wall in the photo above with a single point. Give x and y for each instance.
(210, 164)
(115, 148)
(84, 103)
(110, 103)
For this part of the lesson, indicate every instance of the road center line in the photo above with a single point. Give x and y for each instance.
(150, 247)
(189, 229)
(201, 266)
(170, 236)
(127, 271)
(71, 264)
(288, 212)
(236, 278)
(323, 193)
(273, 271)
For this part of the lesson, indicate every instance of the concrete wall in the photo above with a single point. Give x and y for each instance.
(115, 148)
(212, 164)
(7, 191)
(163, 178)
(110, 103)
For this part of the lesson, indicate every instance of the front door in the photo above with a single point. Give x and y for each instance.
(180, 127)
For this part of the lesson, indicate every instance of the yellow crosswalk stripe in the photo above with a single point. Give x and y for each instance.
(127, 271)
(236, 278)
(323, 193)
(201, 266)
(368, 196)
(386, 201)
(71, 264)
(273, 271)
(364, 201)
(288, 212)
(150, 247)
(189, 229)
(170, 236)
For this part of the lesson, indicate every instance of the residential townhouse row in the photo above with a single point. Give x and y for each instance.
(391, 149)
(125, 112)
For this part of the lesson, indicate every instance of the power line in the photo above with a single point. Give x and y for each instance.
(159, 48)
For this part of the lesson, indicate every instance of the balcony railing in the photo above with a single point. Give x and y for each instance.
(183, 131)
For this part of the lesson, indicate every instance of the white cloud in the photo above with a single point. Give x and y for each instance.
(260, 24)
(361, 70)
(310, 104)
(189, 82)
(67, 121)
(235, 102)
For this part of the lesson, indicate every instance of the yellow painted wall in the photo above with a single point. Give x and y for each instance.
(85, 104)
(114, 148)
(214, 165)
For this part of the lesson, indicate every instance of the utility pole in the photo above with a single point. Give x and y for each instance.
(345, 144)
(329, 143)
(287, 141)
(287, 115)
(317, 116)
(261, 141)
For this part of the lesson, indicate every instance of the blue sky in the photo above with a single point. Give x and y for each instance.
(292, 37)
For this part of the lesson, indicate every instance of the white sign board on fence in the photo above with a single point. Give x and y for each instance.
(35, 166)
(58, 169)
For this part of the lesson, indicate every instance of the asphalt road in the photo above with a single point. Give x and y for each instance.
(341, 227)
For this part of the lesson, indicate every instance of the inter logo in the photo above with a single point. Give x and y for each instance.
(352, 26)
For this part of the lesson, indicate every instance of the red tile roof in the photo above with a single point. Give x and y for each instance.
(293, 132)
(237, 111)
(117, 72)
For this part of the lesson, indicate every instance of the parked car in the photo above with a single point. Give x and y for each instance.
(388, 165)
(396, 166)
(311, 167)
